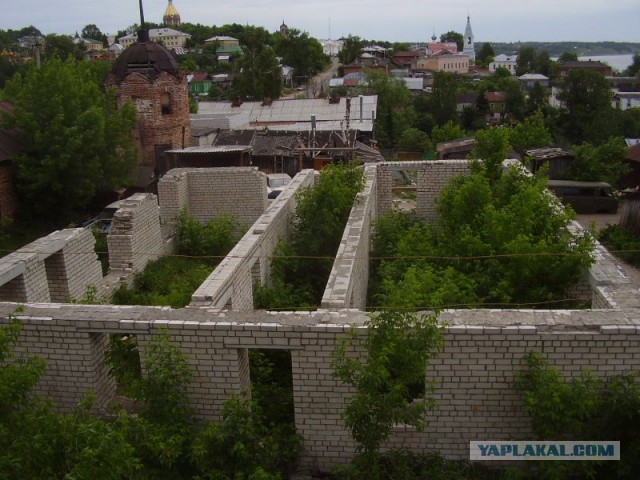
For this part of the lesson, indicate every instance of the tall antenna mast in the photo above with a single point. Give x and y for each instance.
(143, 33)
(141, 15)
(329, 28)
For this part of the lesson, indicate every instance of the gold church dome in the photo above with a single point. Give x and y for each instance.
(171, 15)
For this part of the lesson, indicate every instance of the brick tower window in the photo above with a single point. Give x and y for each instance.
(165, 104)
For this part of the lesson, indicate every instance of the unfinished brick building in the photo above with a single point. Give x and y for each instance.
(474, 374)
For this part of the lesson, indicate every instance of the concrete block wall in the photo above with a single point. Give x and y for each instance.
(74, 360)
(431, 179)
(475, 398)
(57, 267)
(173, 195)
(349, 277)
(231, 283)
(135, 238)
(211, 192)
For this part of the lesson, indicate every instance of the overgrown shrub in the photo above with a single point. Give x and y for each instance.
(301, 267)
(622, 242)
(172, 280)
(390, 381)
(497, 240)
(586, 408)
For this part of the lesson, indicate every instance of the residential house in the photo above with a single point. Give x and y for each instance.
(199, 83)
(602, 68)
(510, 62)
(376, 51)
(168, 37)
(406, 58)
(465, 100)
(331, 47)
(529, 80)
(223, 41)
(450, 63)
(497, 105)
(89, 44)
(625, 100)
(632, 179)
(441, 48)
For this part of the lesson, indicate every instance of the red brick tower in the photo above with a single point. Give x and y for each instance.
(148, 76)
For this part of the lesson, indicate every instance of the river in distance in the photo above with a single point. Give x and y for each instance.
(617, 62)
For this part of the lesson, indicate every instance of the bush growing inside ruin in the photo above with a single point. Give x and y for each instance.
(585, 408)
(498, 241)
(301, 267)
(165, 441)
(172, 280)
(622, 242)
(390, 381)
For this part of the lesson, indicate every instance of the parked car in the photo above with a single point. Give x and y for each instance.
(585, 197)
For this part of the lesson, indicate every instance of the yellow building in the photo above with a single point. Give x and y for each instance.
(224, 41)
(169, 37)
(458, 63)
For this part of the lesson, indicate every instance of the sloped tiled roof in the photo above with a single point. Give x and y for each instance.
(495, 96)
(633, 153)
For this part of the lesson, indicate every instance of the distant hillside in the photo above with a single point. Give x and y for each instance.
(556, 49)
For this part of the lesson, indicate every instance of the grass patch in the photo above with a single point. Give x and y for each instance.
(169, 281)
(622, 242)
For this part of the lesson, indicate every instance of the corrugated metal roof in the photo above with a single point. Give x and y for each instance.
(293, 111)
(212, 149)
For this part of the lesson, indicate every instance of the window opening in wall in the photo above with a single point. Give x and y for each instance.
(123, 359)
(165, 104)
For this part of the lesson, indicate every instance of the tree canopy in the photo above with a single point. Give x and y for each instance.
(77, 143)
(301, 52)
(452, 36)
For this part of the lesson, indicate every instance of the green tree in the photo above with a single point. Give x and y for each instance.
(93, 32)
(449, 131)
(395, 112)
(515, 102)
(452, 36)
(62, 47)
(443, 97)
(77, 143)
(351, 50)
(300, 268)
(537, 99)
(486, 55)
(526, 61)
(416, 140)
(568, 57)
(492, 147)
(587, 110)
(633, 69)
(604, 162)
(390, 381)
(300, 51)
(586, 407)
(532, 133)
(36, 442)
(259, 76)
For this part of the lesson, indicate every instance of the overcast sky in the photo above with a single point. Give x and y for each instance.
(393, 20)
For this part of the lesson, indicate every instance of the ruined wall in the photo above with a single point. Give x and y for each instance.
(431, 179)
(58, 267)
(135, 238)
(349, 277)
(209, 192)
(474, 394)
(231, 283)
